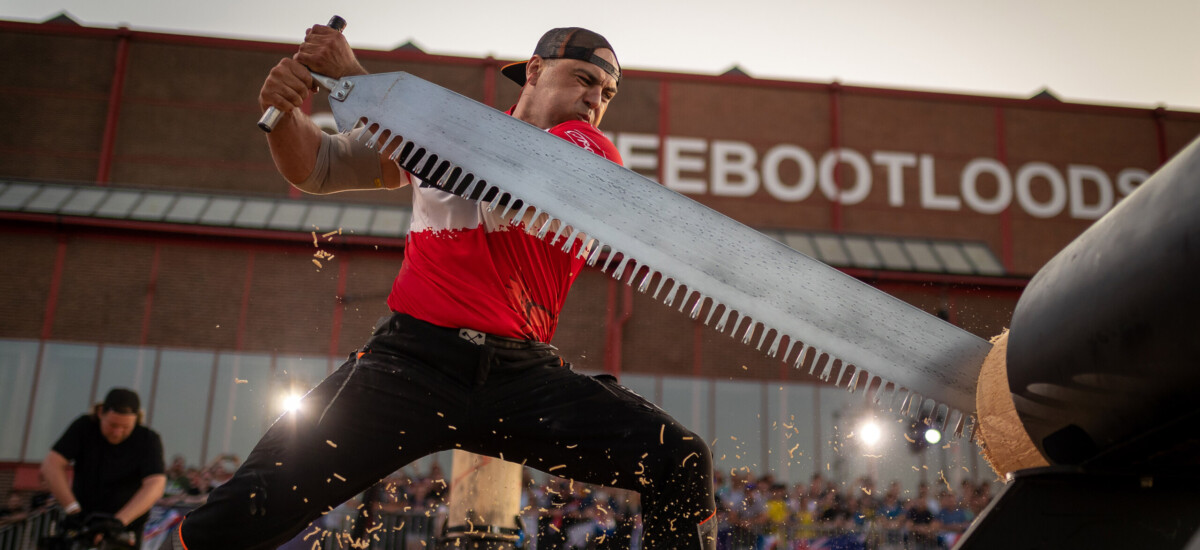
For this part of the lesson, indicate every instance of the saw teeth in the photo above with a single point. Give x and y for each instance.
(871, 391)
(686, 298)
(645, 284)
(696, 308)
(799, 362)
(597, 247)
(906, 407)
(749, 332)
(670, 299)
(724, 317)
(508, 207)
(960, 421)
(561, 227)
(788, 352)
(817, 357)
(587, 246)
(925, 412)
(774, 349)
(372, 137)
(853, 383)
(619, 272)
(662, 280)
(841, 371)
(712, 310)
(763, 338)
(827, 362)
(541, 234)
(529, 227)
(612, 255)
(570, 240)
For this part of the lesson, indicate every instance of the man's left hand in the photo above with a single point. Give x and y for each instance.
(325, 51)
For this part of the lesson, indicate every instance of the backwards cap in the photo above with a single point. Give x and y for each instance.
(123, 401)
(567, 43)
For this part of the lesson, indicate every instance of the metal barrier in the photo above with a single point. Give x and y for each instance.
(393, 531)
(25, 534)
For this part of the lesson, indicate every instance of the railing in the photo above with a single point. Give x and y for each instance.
(25, 534)
(420, 530)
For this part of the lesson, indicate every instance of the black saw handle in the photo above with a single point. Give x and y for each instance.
(271, 116)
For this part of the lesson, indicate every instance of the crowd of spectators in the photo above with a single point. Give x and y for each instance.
(754, 513)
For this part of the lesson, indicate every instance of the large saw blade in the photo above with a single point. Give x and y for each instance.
(840, 328)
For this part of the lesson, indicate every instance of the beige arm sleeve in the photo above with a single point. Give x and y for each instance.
(343, 164)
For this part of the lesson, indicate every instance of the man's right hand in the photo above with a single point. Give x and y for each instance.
(72, 524)
(287, 86)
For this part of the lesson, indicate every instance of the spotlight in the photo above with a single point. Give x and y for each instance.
(870, 433)
(291, 403)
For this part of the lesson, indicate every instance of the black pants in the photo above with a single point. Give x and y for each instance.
(415, 389)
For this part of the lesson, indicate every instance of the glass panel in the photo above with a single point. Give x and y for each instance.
(153, 206)
(180, 399)
(356, 219)
(862, 254)
(254, 213)
(187, 209)
(322, 218)
(118, 204)
(243, 407)
(800, 243)
(16, 195)
(686, 399)
(63, 388)
(49, 199)
(17, 362)
(126, 367)
(893, 255)
(390, 222)
(981, 256)
(288, 216)
(922, 255)
(830, 249)
(84, 202)
(952, 257)
(738, 432)
(220, 211)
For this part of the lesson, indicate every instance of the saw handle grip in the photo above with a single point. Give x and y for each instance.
(269, 118)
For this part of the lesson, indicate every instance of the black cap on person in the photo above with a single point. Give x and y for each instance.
(568, 43)
(122, 401)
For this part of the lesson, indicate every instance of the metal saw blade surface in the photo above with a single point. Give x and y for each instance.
(755, 288)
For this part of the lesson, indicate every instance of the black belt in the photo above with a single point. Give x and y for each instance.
(502, 342)
(473, 336)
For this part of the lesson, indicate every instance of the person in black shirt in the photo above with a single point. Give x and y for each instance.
(118, 467)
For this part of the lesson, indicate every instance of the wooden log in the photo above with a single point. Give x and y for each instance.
(485, 501)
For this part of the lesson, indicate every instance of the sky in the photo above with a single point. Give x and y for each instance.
(1110, 52)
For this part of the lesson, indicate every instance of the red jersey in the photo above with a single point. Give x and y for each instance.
(465, 267)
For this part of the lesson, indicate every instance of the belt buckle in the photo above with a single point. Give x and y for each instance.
(472, 336)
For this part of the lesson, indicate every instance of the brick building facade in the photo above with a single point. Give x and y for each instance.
(949, 202)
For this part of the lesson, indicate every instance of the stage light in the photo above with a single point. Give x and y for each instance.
(291, 403)
(870, 433)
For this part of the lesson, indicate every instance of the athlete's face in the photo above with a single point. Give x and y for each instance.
(561, 90)
(116, 427)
